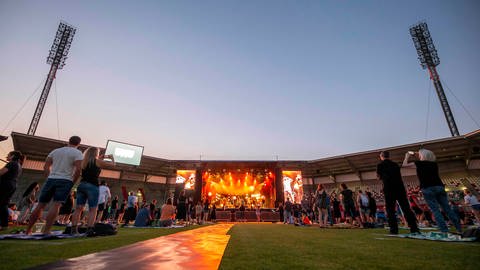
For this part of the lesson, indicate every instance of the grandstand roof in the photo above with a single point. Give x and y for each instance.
(457, 152)
(460, 153)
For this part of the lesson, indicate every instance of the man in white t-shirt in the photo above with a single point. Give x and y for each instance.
(103, 197)
(62, 167)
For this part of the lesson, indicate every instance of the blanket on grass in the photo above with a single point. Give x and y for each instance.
(435, 236)
(154, 227)
(39, 236)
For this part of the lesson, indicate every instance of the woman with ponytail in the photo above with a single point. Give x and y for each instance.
(88, 190)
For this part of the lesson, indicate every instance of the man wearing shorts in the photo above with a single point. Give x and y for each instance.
(62, 167)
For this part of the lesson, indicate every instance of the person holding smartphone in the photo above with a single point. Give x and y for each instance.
(88, 189)
(394, 191)
(432, 187)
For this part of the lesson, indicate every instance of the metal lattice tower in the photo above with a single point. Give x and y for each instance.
(427, 54)
(56, 58)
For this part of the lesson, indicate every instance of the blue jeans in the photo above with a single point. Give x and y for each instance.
(287, 217)
(435, 196)
(87, 191)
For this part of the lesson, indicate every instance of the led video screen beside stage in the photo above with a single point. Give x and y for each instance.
(292, 186)
(124, 153)
(187, 177)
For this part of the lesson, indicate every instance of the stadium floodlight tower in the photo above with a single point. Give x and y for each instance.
(427, 54)
(56, 58)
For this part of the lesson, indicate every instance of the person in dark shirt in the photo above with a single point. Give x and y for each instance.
(113, 208)
(336, 208)
(8, 184)
(152, 207)
(121, 211)
(432, 187)
(287, 212)
(394, 191)
(280, 210)
(349, 205)
(242, 213)
(182, 206)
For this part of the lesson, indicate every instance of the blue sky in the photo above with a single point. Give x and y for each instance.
(240, 79)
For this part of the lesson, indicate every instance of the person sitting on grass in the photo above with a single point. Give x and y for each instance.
(305, 220)
(168, 214)
(473, 202)
(143, 217)
(13, 213)
(65, 211)
(26, 203)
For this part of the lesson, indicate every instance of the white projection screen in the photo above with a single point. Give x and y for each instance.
(124, 153)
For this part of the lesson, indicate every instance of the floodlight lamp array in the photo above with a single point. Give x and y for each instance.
(427, 54)
(61, 45)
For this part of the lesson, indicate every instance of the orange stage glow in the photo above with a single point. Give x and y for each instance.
(234, 188)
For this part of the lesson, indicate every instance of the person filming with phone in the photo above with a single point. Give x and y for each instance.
(432, 187)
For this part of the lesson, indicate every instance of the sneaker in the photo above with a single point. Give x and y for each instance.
(74, 230)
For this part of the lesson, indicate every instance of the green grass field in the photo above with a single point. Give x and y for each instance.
(276, 246)
(272, 246)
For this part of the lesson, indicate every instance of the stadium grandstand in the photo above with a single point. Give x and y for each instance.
(458, 158)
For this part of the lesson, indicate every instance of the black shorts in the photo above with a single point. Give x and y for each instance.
(350, 210)
(101, 206)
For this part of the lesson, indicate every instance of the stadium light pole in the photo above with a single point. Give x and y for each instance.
(428, 56)
(56, 58)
